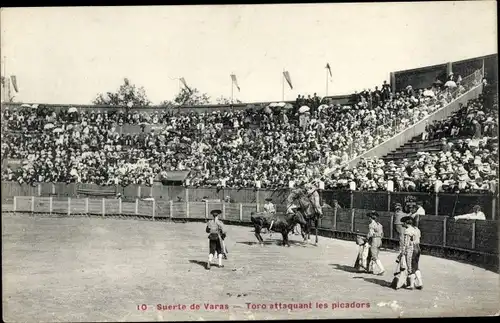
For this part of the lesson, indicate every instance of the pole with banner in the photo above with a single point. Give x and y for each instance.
(283, 86)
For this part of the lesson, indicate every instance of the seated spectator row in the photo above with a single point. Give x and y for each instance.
(235, 147)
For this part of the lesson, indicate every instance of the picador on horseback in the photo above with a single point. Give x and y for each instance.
(303, 207)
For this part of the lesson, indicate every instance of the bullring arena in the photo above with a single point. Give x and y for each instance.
(113, 268)
(140, 142)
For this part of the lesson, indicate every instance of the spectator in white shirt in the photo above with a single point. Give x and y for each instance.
(476, 214)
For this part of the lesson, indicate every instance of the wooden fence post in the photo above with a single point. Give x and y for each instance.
(14, 204)
(138, 191)
(444, 231)
(69, 205)
(223, 210)
(154, 207)
(87, 205)
(206, 209)
(257, 199)
(493, 208)
(241, 212)
(39, 189)
(473, 235)
(187, 202)
(352, 211)
(136, 206)
(352, 220)
(53, 190)
(32, 204)
(171, 206)
(120, 206)
(103, 206)
(335, 218)
(391, 225)
(50, 205)
(436, 205)
(388, 201)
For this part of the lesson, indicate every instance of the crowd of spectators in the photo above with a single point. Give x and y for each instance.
(467, 160)
(235, 148)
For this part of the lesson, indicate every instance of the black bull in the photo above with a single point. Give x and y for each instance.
(281, 223)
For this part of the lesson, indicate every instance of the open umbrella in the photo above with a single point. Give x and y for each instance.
(287, 106)
(48, 126)
(25, 105)
(450, 84)
(272, 105)
(429, 93)
(34, 106)
(57, 130)
(72, 110)
(280, 104)
(323, 106)
(304, 108)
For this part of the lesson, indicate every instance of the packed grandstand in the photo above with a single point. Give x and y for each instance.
(311, 139)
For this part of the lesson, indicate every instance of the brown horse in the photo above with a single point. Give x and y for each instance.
(308, 200)
(282, 223)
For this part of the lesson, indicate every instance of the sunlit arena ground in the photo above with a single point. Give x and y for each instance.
(94, 269)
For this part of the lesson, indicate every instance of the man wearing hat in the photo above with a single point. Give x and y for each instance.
(375, 234)
(216, 233)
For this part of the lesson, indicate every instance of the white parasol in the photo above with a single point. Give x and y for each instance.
(25, 105)
(48, 126)
(57, 130)
(34, 106)
(429, 93)
(304, 108)
(450, 84)
(280, 104)
(323, 106)
(72, 110)
(273, 104)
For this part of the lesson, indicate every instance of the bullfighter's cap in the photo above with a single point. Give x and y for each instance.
(215, 212)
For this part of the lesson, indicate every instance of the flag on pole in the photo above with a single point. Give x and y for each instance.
(329, 69)
(183, 81)
(235, 82)
(14, 82)
(288, 79)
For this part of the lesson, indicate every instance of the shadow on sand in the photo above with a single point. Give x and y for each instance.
(349, 269)
(201, 263)
(277, 242)
(377, 281)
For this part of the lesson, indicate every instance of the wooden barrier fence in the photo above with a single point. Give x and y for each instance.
(478, 237)
(442, 204)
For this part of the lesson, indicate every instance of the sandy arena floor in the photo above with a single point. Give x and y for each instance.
(92, 269)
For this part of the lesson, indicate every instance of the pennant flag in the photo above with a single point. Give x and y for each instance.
(233, 77)
(14, 82)
(183, 81)
(329, 69)
(288, 79)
